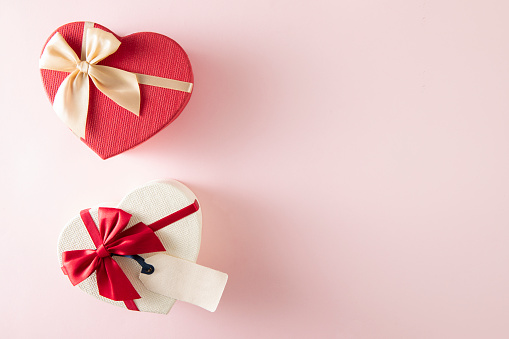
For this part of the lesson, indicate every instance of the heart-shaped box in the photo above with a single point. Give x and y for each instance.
(148, 204)
(154, 58)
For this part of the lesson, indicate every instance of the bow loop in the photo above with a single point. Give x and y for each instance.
(58, 55)
(71, 100)
(118, 85)
(99, 45)
(112, 221)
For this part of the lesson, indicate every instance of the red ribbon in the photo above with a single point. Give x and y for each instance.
(113, 238)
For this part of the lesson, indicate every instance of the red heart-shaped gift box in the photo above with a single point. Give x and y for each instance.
(110, 128)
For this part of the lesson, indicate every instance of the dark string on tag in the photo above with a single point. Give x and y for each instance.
(145, 268)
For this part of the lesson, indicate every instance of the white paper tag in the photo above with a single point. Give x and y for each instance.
(184, 280)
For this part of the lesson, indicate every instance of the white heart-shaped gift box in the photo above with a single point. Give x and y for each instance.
(147, 204)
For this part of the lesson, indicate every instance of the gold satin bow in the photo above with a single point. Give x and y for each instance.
(71, 100)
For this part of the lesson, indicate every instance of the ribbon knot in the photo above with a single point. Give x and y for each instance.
(102, 252)
(83, 67)
(71, 99)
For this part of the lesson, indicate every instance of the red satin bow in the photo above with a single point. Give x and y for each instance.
(111, 238)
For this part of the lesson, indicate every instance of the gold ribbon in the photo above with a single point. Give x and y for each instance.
(71, 99)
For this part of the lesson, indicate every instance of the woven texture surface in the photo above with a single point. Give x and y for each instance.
(112, 129)
(147, 204)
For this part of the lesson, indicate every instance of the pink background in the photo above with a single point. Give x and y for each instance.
(351, 159)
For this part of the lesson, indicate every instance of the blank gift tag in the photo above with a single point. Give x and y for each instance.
(185, 281)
